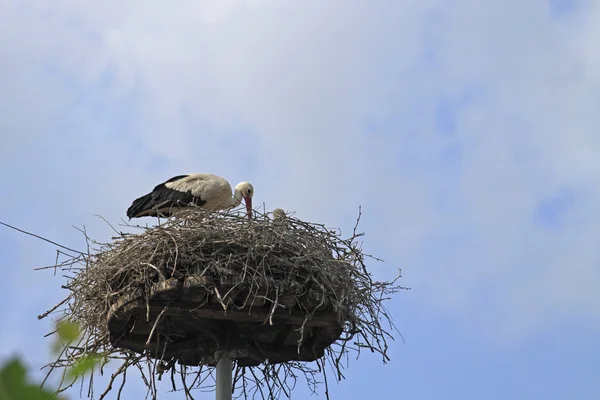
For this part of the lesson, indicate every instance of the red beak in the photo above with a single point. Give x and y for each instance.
(248, 201)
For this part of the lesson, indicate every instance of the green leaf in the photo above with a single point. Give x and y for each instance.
(68, 331)
(83, 365)
(12, 374)
(14, 385)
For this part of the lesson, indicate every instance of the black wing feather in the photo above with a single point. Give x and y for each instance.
(162, 198)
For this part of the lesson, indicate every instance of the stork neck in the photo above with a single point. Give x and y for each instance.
(237, 198)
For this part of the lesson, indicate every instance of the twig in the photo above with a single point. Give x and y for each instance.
(122, 368)
(44, 315)
(164, 310)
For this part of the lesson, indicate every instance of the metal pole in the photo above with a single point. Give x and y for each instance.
(224, 378)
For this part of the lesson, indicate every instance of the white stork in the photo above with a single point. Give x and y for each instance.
(278, 214)
(208, 191)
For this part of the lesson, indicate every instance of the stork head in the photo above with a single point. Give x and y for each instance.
(278, 214)
(245, 191)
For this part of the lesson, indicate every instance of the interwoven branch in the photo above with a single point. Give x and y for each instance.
(289, 272)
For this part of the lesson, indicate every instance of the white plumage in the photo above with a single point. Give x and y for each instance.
(204, 190)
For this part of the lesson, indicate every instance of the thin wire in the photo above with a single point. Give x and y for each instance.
(42, 238)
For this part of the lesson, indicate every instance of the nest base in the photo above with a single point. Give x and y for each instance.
(184, 319)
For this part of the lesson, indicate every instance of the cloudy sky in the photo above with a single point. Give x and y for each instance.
(468, 131)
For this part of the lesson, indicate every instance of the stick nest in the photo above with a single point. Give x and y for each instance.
(282, 297)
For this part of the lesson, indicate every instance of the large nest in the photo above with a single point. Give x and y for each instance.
(272, 294)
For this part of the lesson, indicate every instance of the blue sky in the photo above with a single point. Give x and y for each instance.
(466, 130)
